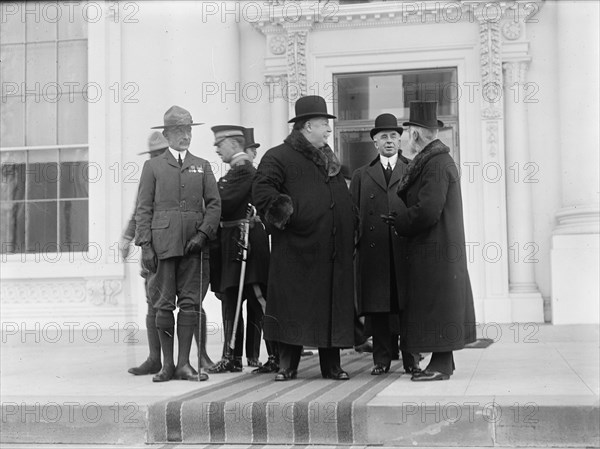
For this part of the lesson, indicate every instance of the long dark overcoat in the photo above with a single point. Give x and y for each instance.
(439, 315)
(376, 240)
(235, 189)
(311, 277)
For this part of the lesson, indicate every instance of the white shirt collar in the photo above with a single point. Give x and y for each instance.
(392, 160)
(176, 153)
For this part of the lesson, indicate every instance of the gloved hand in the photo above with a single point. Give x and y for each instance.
(196, 243)
(125, 247)
(149, 260)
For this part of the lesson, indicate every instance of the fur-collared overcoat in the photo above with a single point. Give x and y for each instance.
(439, 315)
(377, 242)
(311, 272)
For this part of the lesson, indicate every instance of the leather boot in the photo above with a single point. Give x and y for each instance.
(152, 364)
(186, 323)
(166, 337)
(205, 360)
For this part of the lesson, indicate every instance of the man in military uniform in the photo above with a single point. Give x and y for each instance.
(177, 213)
(235, 189)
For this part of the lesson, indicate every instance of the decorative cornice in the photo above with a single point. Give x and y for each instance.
(330, 14)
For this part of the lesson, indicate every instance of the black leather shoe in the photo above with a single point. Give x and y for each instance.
(186, 372)
(226, 365)
(427, 375)
(379, 369)
(337, 375)
(254, 363)
(270, 367)
(165, 374)
(286, 374)
(148, 367)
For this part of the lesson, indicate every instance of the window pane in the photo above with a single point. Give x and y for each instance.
(41, 121)
(74, 173)
(42, 174)
(41, 66)
(73, 114)
(41, 226)
(12, 227)
(40, 20)
(12, 29)
(12, 69)
(72, 26)
(12, 115)
(73, 225)
(356, 149)
(72, 65)
(439, 85)
(13, 176)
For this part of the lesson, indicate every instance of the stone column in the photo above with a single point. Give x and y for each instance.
(526, 301)
(575, 243)
(277, 85)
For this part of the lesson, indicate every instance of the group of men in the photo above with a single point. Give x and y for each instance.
(336, 252)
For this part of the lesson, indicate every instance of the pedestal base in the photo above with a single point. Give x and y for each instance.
(575, 289)
(527, 307)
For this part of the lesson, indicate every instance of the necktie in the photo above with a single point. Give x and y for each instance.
(388, 173)
(179, 160)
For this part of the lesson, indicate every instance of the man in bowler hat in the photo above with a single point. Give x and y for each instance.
(439, 316)
(381, 253)
(178, 211)
(305, 203)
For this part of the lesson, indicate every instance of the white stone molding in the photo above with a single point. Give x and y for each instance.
(97, 292)
(277, 85)
(491, 69)
(491, 129)
(584, 219)
(296, 62)
(511, 30)
(278, 44)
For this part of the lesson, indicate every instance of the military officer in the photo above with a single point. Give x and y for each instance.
(178, 211)
(235, 189)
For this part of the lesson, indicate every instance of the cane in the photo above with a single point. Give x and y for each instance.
(200, 319)
(244, 256)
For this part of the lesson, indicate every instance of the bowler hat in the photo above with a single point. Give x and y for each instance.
(309, 107)
(222, 132)
(156, 141)
(386, 122)
(423, 114)
(177, 116)
(249, 135)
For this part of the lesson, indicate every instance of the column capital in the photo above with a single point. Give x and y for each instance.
(515, 71)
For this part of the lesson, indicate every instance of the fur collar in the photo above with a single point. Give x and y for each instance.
(415, 167)
(323, 157)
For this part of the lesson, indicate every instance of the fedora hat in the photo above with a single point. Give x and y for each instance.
(423, 114)
(386, 122)
(156, 141)
(177, 116)
(222, 132)
(309, 107)
(249, 135)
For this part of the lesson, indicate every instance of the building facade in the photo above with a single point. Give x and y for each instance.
(516, 82)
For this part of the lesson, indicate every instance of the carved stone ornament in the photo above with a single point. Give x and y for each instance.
(492, 137)
(43, 292)
(491, 68)
(277, 44)
(100, 292)
(296, 59)
(511, 30)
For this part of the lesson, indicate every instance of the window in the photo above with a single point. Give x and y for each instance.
(361, 97)
(44, 133)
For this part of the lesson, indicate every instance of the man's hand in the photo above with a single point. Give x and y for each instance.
(196, 243)
(125, 247)
(390, 218)
(149, 260)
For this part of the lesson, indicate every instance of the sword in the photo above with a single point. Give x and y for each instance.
(200, 320)
(245, 228)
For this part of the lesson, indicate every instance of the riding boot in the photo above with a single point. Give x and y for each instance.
(204, 358)
(186, 322)
(165, 324)
(152, 364)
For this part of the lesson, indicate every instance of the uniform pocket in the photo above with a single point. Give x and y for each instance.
(161, 223)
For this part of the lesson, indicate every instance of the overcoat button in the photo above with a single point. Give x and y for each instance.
(372, 228)
(372, 195)
(372, 245)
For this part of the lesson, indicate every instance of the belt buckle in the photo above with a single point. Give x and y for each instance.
(183, 206)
